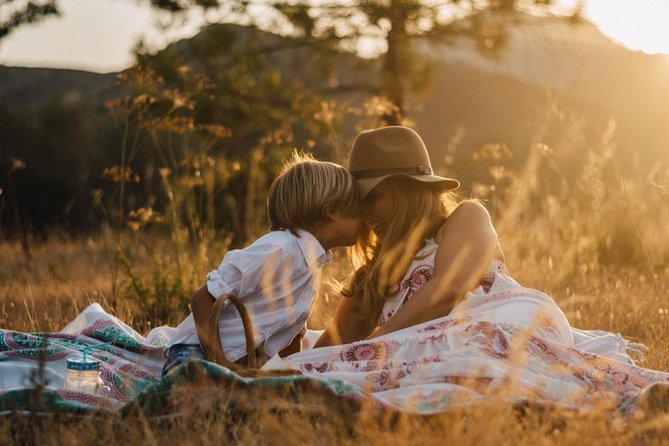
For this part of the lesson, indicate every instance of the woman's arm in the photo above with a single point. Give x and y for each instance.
(346, 325)
(465, 251)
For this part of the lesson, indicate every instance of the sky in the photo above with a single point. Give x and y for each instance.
(99, 35)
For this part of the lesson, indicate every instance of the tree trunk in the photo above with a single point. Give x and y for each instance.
(394, 82)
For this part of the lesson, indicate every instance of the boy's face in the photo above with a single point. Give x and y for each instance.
(345, 229)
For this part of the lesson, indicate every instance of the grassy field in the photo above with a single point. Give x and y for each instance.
(64, 275)
(601, 251)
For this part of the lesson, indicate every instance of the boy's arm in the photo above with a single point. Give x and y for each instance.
(202, 304)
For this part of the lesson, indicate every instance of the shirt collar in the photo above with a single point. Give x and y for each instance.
(311, 248)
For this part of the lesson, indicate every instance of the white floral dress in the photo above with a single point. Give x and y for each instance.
(502, 340)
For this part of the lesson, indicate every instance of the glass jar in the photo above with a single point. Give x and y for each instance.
(83, 375)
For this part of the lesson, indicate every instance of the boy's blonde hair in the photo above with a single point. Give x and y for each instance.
(306, 191)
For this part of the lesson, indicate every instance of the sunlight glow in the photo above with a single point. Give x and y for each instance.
(639, 25)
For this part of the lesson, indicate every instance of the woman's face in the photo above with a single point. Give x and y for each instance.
(378, 207)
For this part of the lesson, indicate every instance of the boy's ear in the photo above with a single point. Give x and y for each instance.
(330, 216)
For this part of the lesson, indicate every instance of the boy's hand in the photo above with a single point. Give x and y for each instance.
(202, 306)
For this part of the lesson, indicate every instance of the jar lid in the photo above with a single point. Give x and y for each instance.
(81, 364)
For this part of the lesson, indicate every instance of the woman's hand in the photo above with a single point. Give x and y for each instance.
(346, 326)
(467, 246)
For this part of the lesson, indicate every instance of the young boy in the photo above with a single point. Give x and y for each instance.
(312, 207)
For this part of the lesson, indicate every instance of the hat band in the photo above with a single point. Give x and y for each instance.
(371, 173)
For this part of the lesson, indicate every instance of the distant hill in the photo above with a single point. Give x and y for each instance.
(30, 87)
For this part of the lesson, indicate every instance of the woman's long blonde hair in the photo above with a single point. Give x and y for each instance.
(420, 210)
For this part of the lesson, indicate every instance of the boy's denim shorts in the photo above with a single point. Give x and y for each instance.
(180, 353)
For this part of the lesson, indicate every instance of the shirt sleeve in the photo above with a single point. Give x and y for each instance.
(226, 279)
(243, 272)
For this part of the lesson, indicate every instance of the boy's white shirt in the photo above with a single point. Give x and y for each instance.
(277, 278)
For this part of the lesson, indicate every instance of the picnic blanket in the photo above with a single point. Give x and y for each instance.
(33, 368)
(425, 369)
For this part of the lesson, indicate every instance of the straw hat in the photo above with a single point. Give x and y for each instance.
(392, 151)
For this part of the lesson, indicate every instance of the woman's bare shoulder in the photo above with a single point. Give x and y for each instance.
(470, 209)
(466, 214)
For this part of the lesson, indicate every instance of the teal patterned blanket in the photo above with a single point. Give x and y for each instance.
(33, 365)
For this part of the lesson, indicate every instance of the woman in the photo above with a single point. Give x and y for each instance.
(407, 211)
(431, 317)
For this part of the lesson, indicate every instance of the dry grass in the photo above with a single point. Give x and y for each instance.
(491, 424)
(602, 252)
(66, 275)
(43, 293)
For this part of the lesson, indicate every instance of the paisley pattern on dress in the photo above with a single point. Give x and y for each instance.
(368, 351)
(418, 277)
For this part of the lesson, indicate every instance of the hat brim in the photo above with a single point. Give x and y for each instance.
(367, 184)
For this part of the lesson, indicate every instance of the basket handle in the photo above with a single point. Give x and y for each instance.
(218, 354)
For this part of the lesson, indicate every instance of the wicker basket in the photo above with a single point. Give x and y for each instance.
(254, 359)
